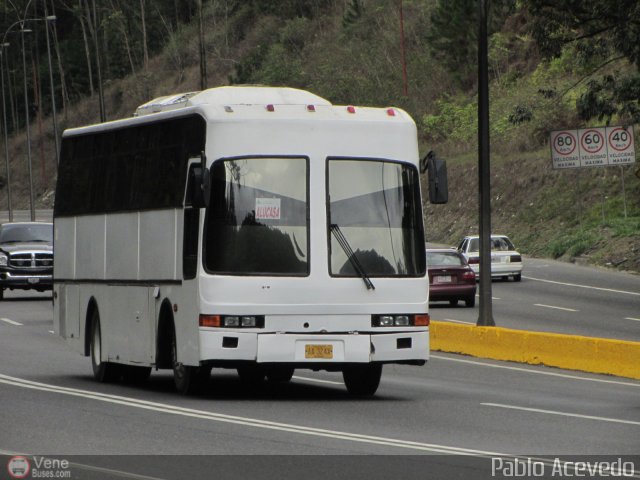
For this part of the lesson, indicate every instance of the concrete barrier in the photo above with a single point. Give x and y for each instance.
(572, 352)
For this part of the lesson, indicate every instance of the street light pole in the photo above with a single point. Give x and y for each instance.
(52, 18)
(6, 135)
(26, 112)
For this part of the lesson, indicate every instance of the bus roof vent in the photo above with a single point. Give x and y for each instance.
(256, 95)
(162, 104)
(237, 95)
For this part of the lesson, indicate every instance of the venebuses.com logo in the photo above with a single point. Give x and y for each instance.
(18, 467)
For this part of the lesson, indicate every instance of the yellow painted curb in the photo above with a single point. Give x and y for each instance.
(596, 355)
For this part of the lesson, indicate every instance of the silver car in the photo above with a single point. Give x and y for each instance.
(505, 260)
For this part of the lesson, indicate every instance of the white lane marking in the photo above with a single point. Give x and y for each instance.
(82, 466)
(317, 380)
(536, 372)
(11, 322)
(245, 421)
(554, 307)
(492, 298)
(457, 321)
(583, 286)
(51, 331)
(563, 414)
(631, 318)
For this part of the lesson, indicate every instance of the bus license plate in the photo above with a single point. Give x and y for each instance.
(318, 351)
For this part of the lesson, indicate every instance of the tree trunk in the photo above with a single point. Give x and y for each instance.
(87, 49)
(144, 36)
(63, 82)
(123, 31)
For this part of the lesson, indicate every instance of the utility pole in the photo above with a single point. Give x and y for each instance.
(485, 317)
(403, 51)
(203, 53)
(6, 135)
(103, 115)
(26, 113)
(48, 19)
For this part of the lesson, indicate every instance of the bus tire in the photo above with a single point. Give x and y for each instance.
(280, 374)
(102, 371)
(252, 375)
(189, 380)
(362, 380)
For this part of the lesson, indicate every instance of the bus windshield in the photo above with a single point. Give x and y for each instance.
(257, 220)
(376, 205)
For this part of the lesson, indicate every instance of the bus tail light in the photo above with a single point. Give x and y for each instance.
(232, 321)
(400, 320)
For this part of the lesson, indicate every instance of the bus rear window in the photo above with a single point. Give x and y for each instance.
(257, 220)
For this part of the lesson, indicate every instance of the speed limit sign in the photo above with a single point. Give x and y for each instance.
(593, 147)
(564, 149)
(620, 145)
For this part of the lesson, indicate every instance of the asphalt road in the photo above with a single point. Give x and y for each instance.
(460, 411)
(562, 298)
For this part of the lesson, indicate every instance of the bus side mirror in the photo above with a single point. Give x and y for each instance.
(200, 182)
(436, 169)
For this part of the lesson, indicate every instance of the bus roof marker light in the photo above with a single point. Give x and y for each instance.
(228, 109)
(351, 109)
(270, 108)
(391, 112)
(311, 108)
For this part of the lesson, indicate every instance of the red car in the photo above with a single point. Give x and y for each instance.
(450, 277)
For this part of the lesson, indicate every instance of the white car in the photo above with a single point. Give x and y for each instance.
(505, 260)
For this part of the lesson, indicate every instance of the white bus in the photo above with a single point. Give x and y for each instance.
(252, 228)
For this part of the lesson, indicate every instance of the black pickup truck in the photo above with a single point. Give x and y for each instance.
(26, 256)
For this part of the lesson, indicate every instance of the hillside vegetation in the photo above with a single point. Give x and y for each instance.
(349, 51)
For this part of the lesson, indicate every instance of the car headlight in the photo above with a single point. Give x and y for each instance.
(3, 260)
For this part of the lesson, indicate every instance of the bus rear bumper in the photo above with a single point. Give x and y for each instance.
(314, 349)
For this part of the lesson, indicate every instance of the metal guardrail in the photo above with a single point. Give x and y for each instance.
(44, 215)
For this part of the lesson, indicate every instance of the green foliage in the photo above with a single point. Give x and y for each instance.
(353, 13)
(453, 35)
(573, 244)
(454, 122)
(602, 32)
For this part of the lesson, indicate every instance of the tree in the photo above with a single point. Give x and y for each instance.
(603, 32)
(453, 34)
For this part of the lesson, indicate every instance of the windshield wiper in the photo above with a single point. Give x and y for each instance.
(342, 240)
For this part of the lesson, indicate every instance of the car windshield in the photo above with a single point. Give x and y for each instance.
(26, 233)
(375, 204)
(257, 221)
(444, 258)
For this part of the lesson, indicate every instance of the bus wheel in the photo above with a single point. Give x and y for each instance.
(188, 379)
(280, 374)
(252, 376)
(102, 371)
(134, 375)
(362, 380)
